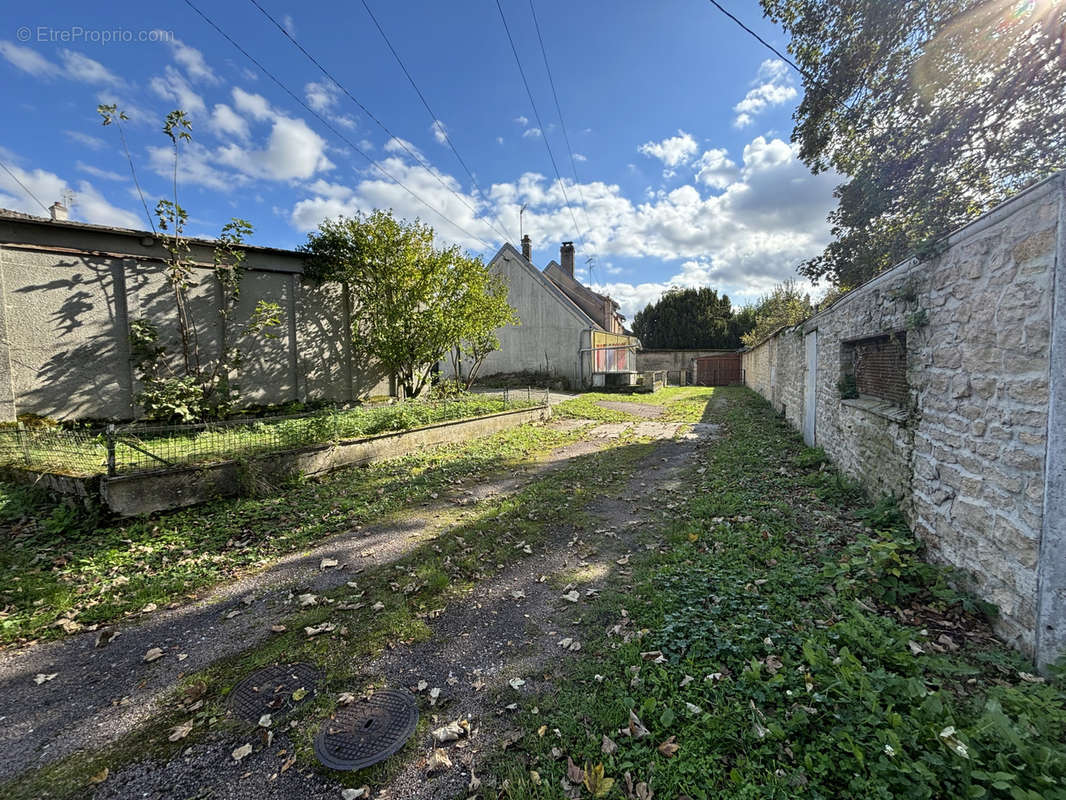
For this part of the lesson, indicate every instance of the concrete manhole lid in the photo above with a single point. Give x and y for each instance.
(273, 690)
(367, 731)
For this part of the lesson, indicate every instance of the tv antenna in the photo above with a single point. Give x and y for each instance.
(521, 229)
(589, 263)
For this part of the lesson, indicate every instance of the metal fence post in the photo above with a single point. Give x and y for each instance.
(529, 394)
(109, 438)
(24, 446)
(505, 398)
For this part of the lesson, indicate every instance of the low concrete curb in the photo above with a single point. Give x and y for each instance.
(146, 493)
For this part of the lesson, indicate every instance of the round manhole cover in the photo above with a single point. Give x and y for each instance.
(273, 690)
(367, 732)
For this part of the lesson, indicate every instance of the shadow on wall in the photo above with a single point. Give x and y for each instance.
(85, 373)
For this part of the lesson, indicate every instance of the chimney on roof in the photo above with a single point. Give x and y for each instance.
(527, 248)
(58, 211)
(566, 258)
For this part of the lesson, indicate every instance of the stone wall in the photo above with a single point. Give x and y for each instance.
(672, 361)
(68, 292)
(966, 451)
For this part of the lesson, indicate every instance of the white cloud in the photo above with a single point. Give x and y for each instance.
(28, 60)
(252, 104)
(293, 151)
(321, 96)
(531, 132)
(88, 206)
(96, 172)
(82, 68)
(76, 66)
(227, 123)
(91, 206)
(578, 157)
(85, 140)
(523, 121)
(773, 87)
(673, 151)
(499, 140)
(195, 167)
(440, 133)
(715, 169)
(192, 60)
(173, 86)
(366, 145)
(290, 26)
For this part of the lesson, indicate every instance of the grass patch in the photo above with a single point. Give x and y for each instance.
(62, 563)
(83, 451)
(679, 404)
(436, 574)
(807, 651)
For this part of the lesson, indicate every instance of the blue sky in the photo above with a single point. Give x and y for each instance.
(679, 123)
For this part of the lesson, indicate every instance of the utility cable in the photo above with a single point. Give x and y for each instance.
(440, 127)
(367, 111)
(335, 132)
(25, 188)
(544, 135)
(562, 123)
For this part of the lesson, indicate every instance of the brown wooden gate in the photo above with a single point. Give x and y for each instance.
(718, 370)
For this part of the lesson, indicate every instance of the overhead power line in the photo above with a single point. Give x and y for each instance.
(433, 116)
(544, 135)
(803, 73)
(762, 41)
(24, 187)
(370, 114)
(331, 128)
(562, 123)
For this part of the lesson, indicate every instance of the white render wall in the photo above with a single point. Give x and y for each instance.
(68, 293)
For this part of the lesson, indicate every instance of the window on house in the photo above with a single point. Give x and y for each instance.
(876, 367)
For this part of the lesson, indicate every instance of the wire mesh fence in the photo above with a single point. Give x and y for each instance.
(125, 449)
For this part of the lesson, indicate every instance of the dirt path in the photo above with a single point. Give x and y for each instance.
(510, 627)
(99, 694)
(634, 409)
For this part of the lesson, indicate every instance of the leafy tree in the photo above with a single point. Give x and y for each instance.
(935, 110)
(785, 305)
(196, 386)
(690, 319)
(414, 302)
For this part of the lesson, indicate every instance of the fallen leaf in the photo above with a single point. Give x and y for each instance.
(595, 782)
(307, 600)
(241, 752)
(516, 683)
(355, 794)
(299, 695)
(104, 637)
(438, 762)
(346, 698)
(100, 776)
(543, 729)
(326, 563)
(451, 732)
(668, 748)
(636, 727)
(608, 745)
(378, 606)
(40, 677)
(574, 773)
(179, 732)
(572, 596)
(152, 655)
(277, 628)
(686, 681)
(265, 721)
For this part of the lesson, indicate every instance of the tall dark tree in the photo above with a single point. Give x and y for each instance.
(934, 110)
(690, 319)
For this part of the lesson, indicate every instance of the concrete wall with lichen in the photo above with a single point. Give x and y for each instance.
(69, 292)
(968, 452)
